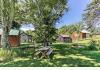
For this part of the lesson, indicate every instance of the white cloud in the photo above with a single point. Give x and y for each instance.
(26, 29)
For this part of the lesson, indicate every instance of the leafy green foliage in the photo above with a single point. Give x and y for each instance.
(24, 51)
(44, 15)
(91, 15)
(8, 12)
(15, 25)
(69, 29)
(6, 55)
(93, 45)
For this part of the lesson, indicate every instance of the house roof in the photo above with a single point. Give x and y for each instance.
(23, 32)
(85, 31)
(12, 32)
(65, 35)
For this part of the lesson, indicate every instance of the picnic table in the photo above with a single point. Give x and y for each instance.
(44, 48)
(44, 52)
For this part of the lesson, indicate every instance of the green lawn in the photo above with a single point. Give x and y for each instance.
(87, 40)
(64, 56)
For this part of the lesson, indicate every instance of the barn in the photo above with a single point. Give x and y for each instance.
(84, 34)
(14, 37)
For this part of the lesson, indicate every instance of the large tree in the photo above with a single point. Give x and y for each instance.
(44, 14)
(7, 9)
(10, 13)
(92, 15)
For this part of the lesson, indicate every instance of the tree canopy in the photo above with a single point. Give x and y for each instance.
(92, 14)
(69, 29)
(44, 14)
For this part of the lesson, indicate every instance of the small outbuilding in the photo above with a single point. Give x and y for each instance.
(84, 34)
(25, 38)
(14, 37)
(65, 38)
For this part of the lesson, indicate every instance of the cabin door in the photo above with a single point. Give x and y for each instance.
(84, 35)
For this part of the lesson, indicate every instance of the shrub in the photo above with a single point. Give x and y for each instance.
(20, 53)
(98, 44)
(23, 52)
(93, 45)
(6, 55)
(75, 44)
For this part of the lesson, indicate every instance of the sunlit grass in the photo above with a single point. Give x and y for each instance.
(65, 56)
(87, 40)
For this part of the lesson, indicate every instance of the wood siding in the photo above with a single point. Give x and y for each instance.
(14, 41)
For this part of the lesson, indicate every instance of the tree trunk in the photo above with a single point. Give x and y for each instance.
(6, 20)
(5, 36)
(34, 50)
(46, 43)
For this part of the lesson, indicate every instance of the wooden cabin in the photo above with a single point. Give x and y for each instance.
(14, 37)
(65, 38)
(84, 34)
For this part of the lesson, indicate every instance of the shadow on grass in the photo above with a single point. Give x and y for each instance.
(64, 49)
(93, 55)
(65, 56)
(60, 62)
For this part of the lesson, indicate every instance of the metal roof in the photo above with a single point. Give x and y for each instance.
(85, 31)
(12, 32)
(65, 35)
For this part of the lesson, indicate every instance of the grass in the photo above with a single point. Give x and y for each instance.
(65, 56)
(87, 40)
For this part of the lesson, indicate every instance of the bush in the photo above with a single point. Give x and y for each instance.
(23, 52)
(20, 53)
(98, 43)
(75, 44)
(93, 45)
(6, 55)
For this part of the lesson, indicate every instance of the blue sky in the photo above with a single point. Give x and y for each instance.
(76, 9)
(74, 15)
